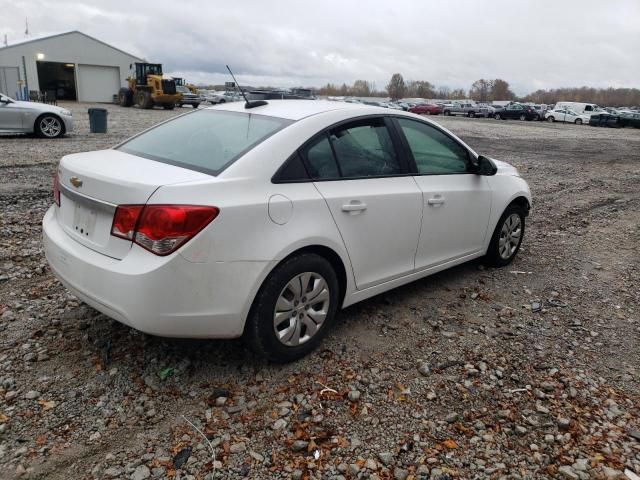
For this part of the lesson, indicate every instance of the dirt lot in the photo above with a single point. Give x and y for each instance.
(531, 371)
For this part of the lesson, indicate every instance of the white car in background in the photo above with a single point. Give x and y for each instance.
(262, 220)
(568, 116)
(44, 120)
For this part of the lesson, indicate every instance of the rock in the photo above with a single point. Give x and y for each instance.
(238, 447)
(95, 436)
(279, 424)
(400, 473)
(353, 469)
(567, 472)
(452, 417)
(354, 396)
(8, 316)
(611, 473)
(32, 395)
(536, 306)
(299, 445)
(141, 473)
(181, 457)
(371, 464)
(424, 369)
(431, 396)
(220, 401)
(548, 386)
(635, 434)
(386, 458)
(564, 423)
(114, 472)
(256, 456)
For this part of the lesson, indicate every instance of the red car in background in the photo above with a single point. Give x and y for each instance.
(427, 108)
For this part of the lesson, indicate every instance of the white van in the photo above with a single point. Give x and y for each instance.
(578, 107)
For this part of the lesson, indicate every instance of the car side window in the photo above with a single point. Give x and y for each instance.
(320, 160)
(364, 149)
(433, 151)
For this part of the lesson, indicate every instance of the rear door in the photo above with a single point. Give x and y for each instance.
(375, 203)
(456, 202)
(11, 116)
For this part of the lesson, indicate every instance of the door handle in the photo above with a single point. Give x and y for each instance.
(437, 200)
(354, 206)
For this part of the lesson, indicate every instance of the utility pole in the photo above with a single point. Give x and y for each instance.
(26, 27)
(5, 40)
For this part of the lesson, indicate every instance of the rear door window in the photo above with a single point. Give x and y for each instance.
(206, 140)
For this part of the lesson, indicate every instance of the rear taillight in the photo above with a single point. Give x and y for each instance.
(161, 229)
(56, 189)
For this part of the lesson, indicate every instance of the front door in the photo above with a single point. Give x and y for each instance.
(457, 203)
(375, 204)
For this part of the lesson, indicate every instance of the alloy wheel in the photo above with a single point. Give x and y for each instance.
(50, 127)
(301, 309)
(510, 236)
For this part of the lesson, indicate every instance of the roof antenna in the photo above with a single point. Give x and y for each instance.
(247, 104)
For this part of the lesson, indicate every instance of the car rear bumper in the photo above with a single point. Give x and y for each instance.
(165, 296)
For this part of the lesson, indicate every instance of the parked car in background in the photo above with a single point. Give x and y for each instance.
(468, 109)
(579, 107)
(629, 119)
(426, 109)
(224, 97)
(604, 120)
(541, 110)
(188, 97)
(567, 116)
(260, 225)
(516, 111)
(44, 120)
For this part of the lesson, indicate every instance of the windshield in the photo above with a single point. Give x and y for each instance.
(182, 89)
(206, 140)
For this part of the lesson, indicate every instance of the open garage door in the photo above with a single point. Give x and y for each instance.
(98, 83)
(57, 80)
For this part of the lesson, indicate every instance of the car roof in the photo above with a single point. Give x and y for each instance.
(297, 109)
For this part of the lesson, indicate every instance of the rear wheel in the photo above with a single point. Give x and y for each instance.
(551, 119)
(471, 114)
(195, 105)
(497, 116)
(48, 126)
(578, 121)
(143, 99)
(507, 237)
(293, 309)
(523, 117)
(125, 97)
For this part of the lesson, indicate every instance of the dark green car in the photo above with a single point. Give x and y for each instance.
(629, 119)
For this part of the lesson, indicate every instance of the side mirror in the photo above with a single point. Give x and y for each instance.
(483, 166)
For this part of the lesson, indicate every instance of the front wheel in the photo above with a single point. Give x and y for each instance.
(168, 106)
(471, 115)
(195, 105)
(578, 121)
(507, 237)
(551, 119)
(293, 309)
(523, 117)
(49, 126)
(497, 116)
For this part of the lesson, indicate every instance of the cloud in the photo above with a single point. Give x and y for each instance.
(530, 43)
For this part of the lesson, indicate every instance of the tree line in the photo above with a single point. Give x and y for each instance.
(482, 90)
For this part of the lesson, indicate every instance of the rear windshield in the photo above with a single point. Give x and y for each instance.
(207, 140)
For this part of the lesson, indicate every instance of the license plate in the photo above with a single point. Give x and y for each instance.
(84, 220)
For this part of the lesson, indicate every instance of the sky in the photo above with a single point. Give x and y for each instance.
(530, 43)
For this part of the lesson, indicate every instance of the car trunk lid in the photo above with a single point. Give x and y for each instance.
(93, 184)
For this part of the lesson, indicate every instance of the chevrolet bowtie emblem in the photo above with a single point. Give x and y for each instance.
(76, 182)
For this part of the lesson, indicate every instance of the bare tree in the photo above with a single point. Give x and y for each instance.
(480, 90)
(361, 88)
(500, 90)
(396, 87)
(458, 94)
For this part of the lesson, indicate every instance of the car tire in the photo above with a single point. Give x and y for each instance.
(267, 329)
(447, 113)
(48, 125)
(497, 116)
(523, 117)
(143, 99)
(551, 119)
(125, 97)
(504, 244)
(471, 115)
(578, 121)
(195, 105)
(169, 106)
(222, 101)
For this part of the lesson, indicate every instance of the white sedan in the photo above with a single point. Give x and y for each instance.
(263, 221)
(568, 116)
(44, 120)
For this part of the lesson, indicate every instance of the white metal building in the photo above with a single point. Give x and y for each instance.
(69, 66)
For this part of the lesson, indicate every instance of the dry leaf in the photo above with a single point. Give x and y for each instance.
(450, 444)
(47, 405)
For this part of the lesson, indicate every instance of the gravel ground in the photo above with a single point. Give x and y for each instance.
(531, 371)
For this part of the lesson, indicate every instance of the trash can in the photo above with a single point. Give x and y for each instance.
(98, 120)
